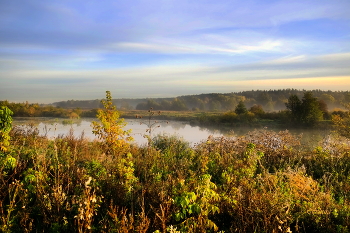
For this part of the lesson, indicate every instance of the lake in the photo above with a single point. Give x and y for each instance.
(52, 127)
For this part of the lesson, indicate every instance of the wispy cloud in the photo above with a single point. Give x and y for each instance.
(184, 47)
(330, 71)
(198, 48)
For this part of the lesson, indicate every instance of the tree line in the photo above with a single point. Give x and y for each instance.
(299, 108)
(270, 100)
(38, 110)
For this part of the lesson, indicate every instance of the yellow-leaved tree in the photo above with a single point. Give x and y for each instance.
(114, 139)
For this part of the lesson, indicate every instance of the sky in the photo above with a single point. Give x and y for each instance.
(72, 49)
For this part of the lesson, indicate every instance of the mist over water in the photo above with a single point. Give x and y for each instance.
(54, 127)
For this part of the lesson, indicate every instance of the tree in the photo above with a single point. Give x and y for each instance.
(214, 105)
(329, 99)
(178, 105)
(240, 108)
(311, 112)
(230, 102)
(294, 106)
(306, 111)
(115, 140)
(265, 100)
(342, 122)
(165, 104)
(151, 103)
(257, 110)
(323, 106)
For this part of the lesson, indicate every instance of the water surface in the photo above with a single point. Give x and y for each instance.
(53, 127)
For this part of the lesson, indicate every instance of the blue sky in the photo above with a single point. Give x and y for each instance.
(71, 49)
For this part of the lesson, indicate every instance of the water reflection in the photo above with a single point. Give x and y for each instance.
(53, 127)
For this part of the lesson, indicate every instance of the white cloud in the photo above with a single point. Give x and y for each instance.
(288, 60)
(198, 48)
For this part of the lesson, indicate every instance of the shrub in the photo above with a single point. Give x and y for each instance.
(114, 140)
(5, 127)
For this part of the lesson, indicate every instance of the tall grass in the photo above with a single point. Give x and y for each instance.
(261, 182)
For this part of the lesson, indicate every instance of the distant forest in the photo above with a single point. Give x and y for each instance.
(270, 101)
(253, 108)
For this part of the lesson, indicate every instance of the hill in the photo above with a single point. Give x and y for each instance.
(271, 100)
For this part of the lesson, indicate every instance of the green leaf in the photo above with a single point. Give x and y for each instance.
(190, 209)
(178, 217)
(196, 209)
(192, 196)
(184, 202)
(10, 163)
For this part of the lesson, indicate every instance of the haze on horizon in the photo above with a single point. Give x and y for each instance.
(60, 50)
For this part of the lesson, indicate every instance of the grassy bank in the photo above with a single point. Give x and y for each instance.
(276, 120)
(263, 182)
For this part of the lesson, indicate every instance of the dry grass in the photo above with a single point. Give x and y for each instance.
(261, 182)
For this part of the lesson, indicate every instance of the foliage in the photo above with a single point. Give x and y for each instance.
(342, 124)
(240, 109)
(311, 111)
(294, 105)
(271, 100)
(110, 128)
(305, 112)
(37, 110)
(5, 127)
(194, 208)
(257, 110)
(341, 119)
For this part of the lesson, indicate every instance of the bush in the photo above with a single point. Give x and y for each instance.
(261, 182)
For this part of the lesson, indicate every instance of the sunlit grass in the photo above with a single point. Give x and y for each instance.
(262, 181)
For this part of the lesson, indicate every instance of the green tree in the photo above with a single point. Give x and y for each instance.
(178, 105)
(306, 111)
(151, 103)
(240, 108)
(165, 104)
(294, 107)
(115, 140)
(311, 112)
(5, 127)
